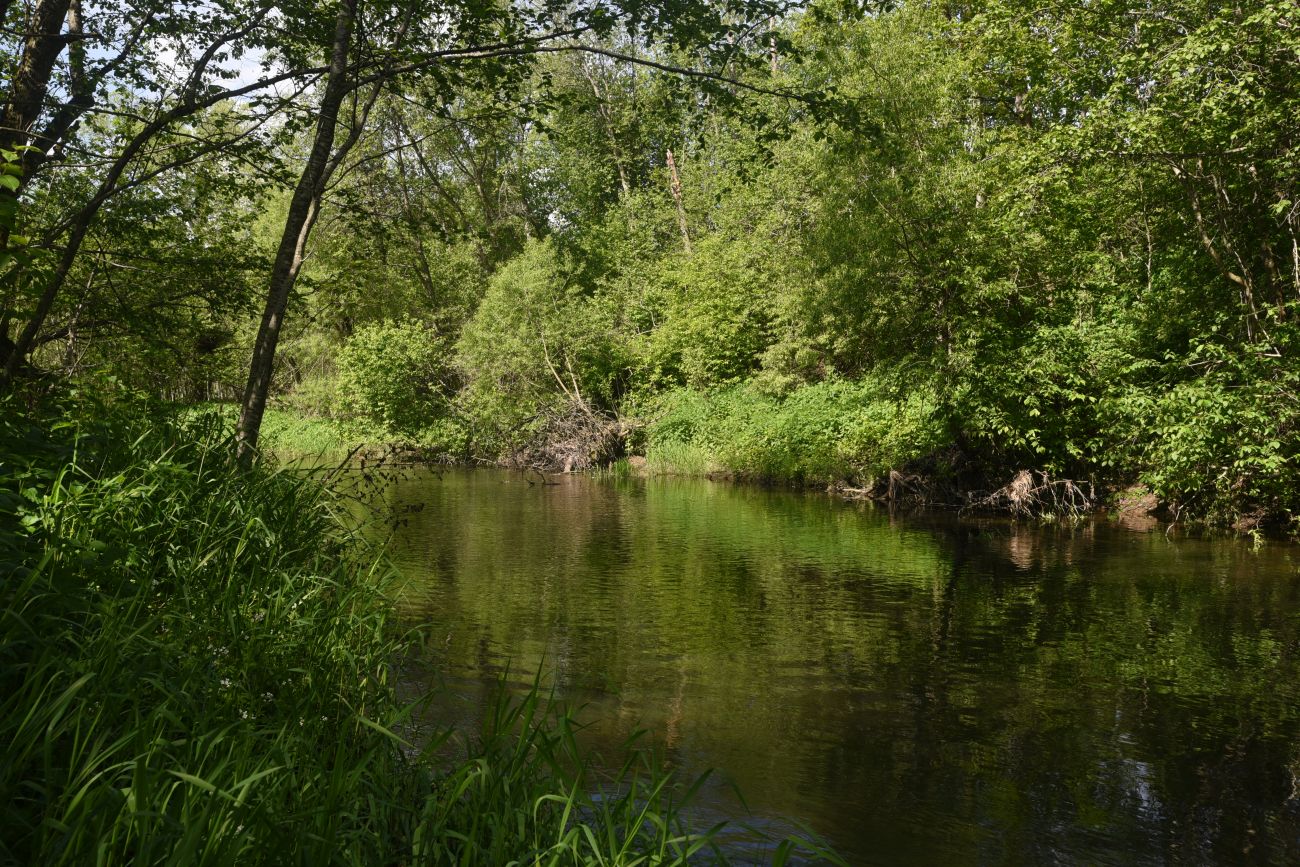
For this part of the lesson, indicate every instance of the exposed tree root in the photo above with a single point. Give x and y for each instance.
(1034, 492)
(897, 488)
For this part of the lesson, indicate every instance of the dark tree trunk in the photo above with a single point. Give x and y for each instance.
(26, 95)
(303, 210)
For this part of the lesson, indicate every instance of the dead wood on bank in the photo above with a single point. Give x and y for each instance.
(570, 438)
(1035, 493)
(1029, 493)
(897, 488)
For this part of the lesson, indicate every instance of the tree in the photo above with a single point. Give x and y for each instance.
(155, 96)
(496, 40)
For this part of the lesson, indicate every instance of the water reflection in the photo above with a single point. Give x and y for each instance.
(918, 690)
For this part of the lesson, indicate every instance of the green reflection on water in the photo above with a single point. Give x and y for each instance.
(919, 691)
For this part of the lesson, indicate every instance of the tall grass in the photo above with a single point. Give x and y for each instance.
(196, 670)
(293, 433)
(830, 431)
(193, 657)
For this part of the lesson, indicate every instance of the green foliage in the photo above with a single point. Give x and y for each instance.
(183, 650)
(1035, 402)
(536, 340)
(290, 433)
(828, 432)
(169, 265)
(717, 317)
(1058, 233)
(1225, 444)
(14, 252)
(395, 375)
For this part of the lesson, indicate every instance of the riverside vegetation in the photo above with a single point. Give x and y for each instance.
(903, 247)
(986, 252)
(197, 671)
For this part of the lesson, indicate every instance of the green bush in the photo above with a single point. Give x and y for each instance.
(717, 316)
(1225, 445)
(396, 375)
(1033, 400)
(536, 341)
(447, 437)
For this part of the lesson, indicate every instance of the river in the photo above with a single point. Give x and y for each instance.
(918, 690)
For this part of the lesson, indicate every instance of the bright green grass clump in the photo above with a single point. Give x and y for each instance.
(830, 431)
(288, 432)
(196, 670)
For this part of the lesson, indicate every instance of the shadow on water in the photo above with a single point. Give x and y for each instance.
(918, 690)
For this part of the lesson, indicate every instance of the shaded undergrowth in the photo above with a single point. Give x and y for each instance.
(195, 669)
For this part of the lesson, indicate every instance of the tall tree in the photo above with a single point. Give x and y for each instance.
(304, 208)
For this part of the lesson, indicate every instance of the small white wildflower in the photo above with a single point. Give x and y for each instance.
(225, 683)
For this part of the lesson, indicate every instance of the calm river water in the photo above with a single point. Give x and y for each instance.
(917, 690)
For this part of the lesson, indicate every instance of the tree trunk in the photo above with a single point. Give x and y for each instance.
(26, 97)
(27, 92)
(77, 83)
(676, 186)
(303, 210)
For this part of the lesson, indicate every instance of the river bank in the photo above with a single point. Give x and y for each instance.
(829, 458)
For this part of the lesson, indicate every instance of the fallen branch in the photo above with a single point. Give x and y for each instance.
(570, 438)
(1034, 492)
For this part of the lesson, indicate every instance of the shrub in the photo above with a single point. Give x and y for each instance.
(536, 342)
(1225, 445)
(1032, 401)
(717, 316)
(396, 375)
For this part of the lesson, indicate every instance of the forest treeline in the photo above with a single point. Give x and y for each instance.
(911, 248)
(937, 242)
